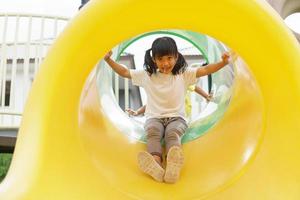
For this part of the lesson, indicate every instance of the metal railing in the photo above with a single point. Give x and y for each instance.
(24, 41)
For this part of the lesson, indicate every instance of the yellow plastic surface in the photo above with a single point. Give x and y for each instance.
(67, 149)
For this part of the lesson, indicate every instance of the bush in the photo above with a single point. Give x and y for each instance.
(5, 159)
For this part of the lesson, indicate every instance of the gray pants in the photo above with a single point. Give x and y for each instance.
(171, 129)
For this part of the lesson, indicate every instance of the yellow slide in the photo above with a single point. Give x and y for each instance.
(68, 149)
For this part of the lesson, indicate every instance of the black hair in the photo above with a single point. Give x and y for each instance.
(161, 47)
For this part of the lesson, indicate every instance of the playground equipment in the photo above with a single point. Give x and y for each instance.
(68, 149)
(286, 8)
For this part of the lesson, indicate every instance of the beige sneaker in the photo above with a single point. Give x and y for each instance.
(149, 166)
(174, 164)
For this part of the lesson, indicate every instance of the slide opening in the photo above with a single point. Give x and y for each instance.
(198, 49)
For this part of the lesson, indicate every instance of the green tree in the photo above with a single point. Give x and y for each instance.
(5, 160)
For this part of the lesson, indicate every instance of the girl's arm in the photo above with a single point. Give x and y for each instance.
(211, 68)
(201, 92)
(119, 69)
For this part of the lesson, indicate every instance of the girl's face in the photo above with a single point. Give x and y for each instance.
(165, 64)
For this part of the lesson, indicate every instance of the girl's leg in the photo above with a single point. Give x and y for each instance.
(174, 131)
(150, 162)
(155, 131)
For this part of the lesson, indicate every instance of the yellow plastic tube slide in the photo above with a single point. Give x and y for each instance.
(68, 149)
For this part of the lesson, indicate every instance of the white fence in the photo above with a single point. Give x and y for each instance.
(24, 41)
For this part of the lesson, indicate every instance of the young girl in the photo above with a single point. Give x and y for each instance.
(165, 79)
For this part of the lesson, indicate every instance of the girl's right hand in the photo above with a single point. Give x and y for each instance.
(108, 55)
(132, 112)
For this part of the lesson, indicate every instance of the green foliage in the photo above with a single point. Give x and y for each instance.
(5, 160)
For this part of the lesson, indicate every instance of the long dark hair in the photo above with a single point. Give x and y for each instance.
(161, 47)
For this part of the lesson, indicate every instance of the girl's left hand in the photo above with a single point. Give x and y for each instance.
(225, 57)
(209, 97)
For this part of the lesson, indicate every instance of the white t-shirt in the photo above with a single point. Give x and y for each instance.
(165, 92)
